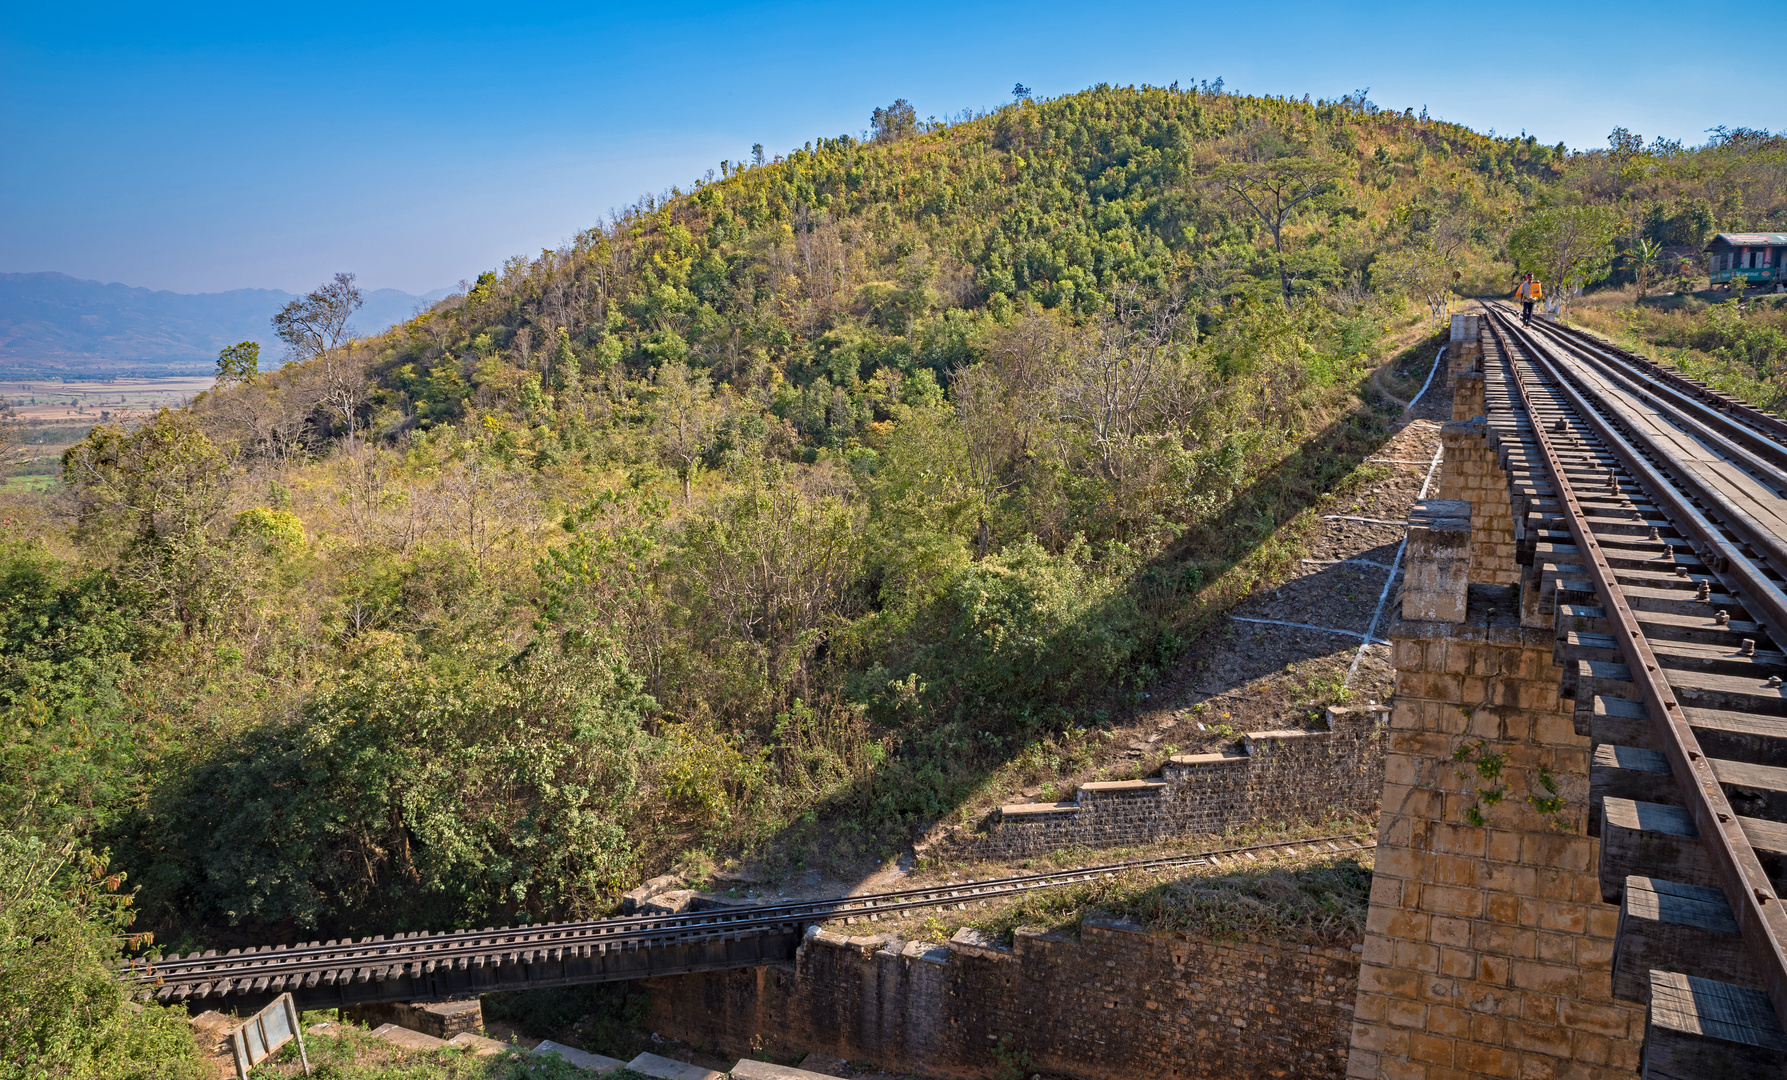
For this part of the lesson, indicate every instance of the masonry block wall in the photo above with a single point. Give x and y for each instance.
(1488, 950)
(1472, 472)
(1274, 776)
(1118, 1003)
(1464, 351)
(1467, 395)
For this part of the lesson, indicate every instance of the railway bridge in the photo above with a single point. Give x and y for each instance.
(1583, 845)
(432, 966)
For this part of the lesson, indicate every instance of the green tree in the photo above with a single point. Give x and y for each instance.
(238, 363)
(316, 327)
(1274, 188)
(151, 498)
(564, 373)
(70, 753)
(687, 414)
(421, 791)
(895, 121)
(1646, 258)
(1419, 273)
(1565, 246)
(63, 1009)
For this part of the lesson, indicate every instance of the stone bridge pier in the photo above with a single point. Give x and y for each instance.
(1489, 949)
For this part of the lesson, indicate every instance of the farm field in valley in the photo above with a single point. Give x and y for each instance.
(97, 401)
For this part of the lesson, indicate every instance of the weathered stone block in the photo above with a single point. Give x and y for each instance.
(1437, 573)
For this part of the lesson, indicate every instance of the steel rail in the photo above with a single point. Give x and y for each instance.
(1762, 457)
(1676, 490)
(1606, 356)
(1747, 888)
(1757, 418)
(640, 930)
(648, 926)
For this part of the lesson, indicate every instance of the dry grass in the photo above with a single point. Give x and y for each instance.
(349, 1052)
(1295, 897)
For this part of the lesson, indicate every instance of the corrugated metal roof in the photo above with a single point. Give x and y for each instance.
(1750, 239)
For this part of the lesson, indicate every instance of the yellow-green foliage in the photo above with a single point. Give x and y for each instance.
(63, 1013)
(278, 529)
(772, 515)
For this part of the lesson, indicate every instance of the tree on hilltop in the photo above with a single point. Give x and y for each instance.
(316, 326)
(893, 121)
(1273, 180)
(239, 363)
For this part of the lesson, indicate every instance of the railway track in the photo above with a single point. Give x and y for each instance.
(1652, 529)
(423, 965)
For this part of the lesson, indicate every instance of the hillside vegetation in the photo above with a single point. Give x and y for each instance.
(765, 518)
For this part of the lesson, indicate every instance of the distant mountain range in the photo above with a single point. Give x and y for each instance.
(55, 325)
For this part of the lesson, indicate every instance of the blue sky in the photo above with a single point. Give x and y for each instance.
(201, 148)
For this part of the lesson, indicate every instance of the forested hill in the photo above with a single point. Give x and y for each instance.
(775, 517)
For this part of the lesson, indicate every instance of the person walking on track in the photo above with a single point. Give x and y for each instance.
(1528, 293)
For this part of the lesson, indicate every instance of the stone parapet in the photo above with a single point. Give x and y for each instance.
(1464, 351)
(1439, 561)
(441, 1019)
(1467, 395)
(1274, 775)
(1472, 472)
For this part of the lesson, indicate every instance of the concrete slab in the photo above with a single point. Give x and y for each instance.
(477, 1044)
(666, 1069)
(763, 1070)
(407, 1039)
(583, 1059)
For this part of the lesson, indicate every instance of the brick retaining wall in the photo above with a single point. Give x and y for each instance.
(1274, 776)
(1118, 1003)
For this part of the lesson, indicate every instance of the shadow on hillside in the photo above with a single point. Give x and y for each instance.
(1256, 540)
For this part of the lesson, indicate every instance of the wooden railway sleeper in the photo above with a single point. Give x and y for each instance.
(1735, 864)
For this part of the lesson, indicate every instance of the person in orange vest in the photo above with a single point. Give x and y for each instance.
(1528, 293)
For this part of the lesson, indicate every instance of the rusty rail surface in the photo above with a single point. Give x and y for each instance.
(1738, 552)
(412, 967)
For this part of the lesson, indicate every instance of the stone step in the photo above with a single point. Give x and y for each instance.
(763, 1070)
(1672, 926)
(1700, 1029)
(477, 1045)
(583, 1059)
(406, 1039)
(669, 1069)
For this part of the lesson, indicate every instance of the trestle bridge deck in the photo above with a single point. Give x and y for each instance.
(1651, 520)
